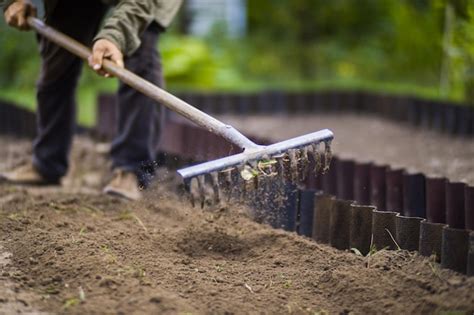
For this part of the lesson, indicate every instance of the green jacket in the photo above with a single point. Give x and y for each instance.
(128, 19)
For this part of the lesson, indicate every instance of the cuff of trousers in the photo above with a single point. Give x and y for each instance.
(6, 4)
(47, 174)
(145, 172)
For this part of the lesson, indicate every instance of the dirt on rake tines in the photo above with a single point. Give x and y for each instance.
(73, 250)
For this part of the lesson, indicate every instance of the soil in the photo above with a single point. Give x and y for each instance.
(373, 139)
(73, 250)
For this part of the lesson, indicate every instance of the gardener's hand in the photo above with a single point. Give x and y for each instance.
(17, 12)
(104, 49)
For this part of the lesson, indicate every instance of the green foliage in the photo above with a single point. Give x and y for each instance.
(190, 62)
(383, 40)
(18, 57)
(387, 45)
(461, 52)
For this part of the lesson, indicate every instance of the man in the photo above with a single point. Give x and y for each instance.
(128, 36)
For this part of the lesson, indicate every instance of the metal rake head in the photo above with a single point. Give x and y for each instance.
(240, 173)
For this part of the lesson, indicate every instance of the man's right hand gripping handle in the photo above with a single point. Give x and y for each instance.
(17, 12)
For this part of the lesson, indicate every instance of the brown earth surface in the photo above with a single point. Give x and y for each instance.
(373, 139)
(72, 250)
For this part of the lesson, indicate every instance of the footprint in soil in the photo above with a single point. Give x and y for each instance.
(197, 243)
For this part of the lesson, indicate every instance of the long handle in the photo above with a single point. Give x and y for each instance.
(167, 99)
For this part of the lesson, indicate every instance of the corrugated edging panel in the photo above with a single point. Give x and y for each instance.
(16, 121)
(361, 228)
(336, 221)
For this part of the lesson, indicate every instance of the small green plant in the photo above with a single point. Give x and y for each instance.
(70, 303)
(287, 284)
(372, 250)
(82, 231)
(125, 215)
(219, 268)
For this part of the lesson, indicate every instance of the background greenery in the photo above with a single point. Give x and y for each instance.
(419, 47)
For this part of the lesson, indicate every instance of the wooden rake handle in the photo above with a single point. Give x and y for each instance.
(154, 92)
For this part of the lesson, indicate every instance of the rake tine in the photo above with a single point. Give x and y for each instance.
(280, 165)
(235, 181)
(201, 188)
(317, 158)
(216, 187)
(293, 165)
(241, 184)
(287, 167)
(304, 163)
(230, 180)
(327, 156)
(193, 191)
(223, 178)
(241, 176)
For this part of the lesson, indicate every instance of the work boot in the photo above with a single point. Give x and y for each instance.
(26, 174)
(124, 184)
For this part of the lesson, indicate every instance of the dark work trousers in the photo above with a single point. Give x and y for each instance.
(138, 116)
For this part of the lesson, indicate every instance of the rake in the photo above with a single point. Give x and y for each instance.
(289, 158)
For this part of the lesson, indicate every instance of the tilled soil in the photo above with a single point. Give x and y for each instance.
(374, 139)
(74, 253)
(72, 250)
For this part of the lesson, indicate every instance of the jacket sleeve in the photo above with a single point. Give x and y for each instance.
(5, 3)
(130, 18)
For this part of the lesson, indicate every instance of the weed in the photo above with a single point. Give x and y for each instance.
(88, 209)
(14, 216)
(51, 290)
(287, 284)
(140, 222)
(82, 231)
(82, 295)
(139, 273)
(125, 215)
(393, 239)
(105, 248)
(219, 268)
(109, 256)
(70, 302)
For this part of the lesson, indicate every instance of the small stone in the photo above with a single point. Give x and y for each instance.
(455, 281)
(46, 281)
(155, 299)
(57, 278)
(281, 296)
(107, 282)
(25, 221)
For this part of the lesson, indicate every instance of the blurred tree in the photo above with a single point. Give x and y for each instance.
(18, 57)
(300, 43)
